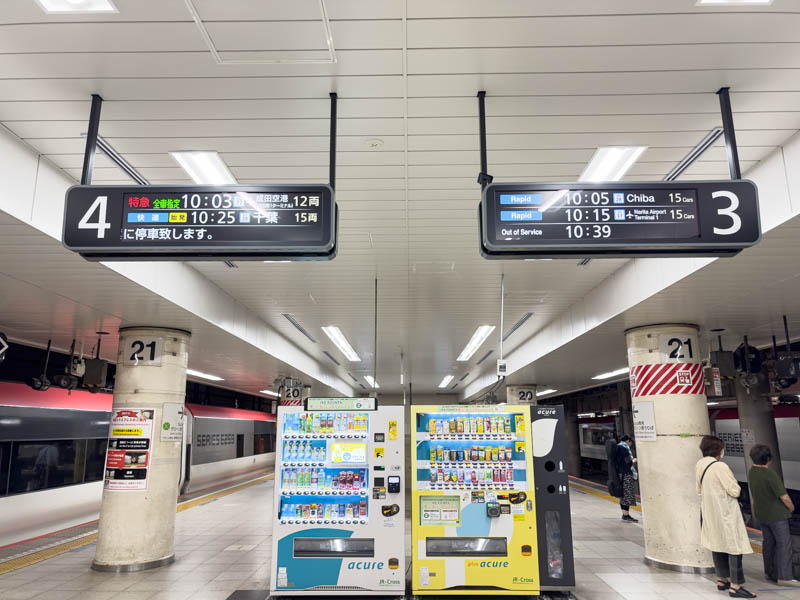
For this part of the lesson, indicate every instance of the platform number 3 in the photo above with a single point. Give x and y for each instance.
(730, 212)
(99, 206)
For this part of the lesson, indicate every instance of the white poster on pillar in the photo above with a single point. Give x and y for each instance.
(130, 439)
(644, 422)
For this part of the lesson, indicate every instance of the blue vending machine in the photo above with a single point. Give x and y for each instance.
(339, 499)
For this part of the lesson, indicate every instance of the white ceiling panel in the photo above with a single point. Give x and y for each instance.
(562, 78)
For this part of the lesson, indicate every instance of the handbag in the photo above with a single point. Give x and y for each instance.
(701, 486)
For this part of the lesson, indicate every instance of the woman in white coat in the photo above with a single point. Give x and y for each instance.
(722, 531)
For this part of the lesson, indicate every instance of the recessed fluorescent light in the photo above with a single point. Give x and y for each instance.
(204, 167)
(329, 355)
(484, 357)
(77, 6)
(610, 163)
(337, 337)
(299, 327)
(517, 325)
(202, 375)
(270, 393)
(371, 381)
(401, 379)
(545, 392)
(611, 373)
(447, 379)
(711, 403)
(480, 335)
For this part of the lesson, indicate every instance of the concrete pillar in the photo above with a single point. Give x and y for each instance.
(521, 394)
(625, 408)
(667, 382)
(137, 514)
(757, 421)
(573, 442)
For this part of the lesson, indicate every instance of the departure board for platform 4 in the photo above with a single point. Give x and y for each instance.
(201, 221)
(661, 218)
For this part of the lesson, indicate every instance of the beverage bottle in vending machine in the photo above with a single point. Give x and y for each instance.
(293, 480)
(461, 476)
(314, 480)
(302, 423)
(327, 511)
(510, 475)
(440, 425)
(432, 426)
(335, 482)
(315, 424)
(474, 477)
(362, 508)
(350, 423)
(328, 482)
(363, 480)
(507, 424)
(334, 511)
(495, 475)
(356, 481)
(298, 511)
(287, 450)
(433, 475)
(329, 428)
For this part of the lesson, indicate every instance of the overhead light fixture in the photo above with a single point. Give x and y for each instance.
(547, 391)
(205, 167)
(711, 403)
(610, 163)
(202, 375)
(695, 153)
(329, 355)
(401, 379)
(446, 381)
(484, 357)
(611, 374)
(270, 393)
(337, 337)
(77, 6)
(371, 381)
(732, 2)
(480, 335)
(277, 261)
(299, 327)
(517, 325)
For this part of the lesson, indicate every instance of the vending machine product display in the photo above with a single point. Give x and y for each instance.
(473, 519)
(339, 502)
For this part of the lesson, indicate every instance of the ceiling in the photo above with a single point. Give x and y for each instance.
(561, 79)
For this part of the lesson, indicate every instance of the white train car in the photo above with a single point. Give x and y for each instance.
(53, 448)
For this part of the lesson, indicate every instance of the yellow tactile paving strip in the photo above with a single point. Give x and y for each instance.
(40, 555)
(588, 490)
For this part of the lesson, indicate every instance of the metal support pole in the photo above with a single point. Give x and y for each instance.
(91, 140)
(332, 165)
(730, 134)
(483, 177)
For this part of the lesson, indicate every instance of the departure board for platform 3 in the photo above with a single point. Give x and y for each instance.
(201, 222)
(708, 218)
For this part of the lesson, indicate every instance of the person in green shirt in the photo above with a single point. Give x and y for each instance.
(773, 507)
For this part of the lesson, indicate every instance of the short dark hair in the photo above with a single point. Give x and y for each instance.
(711, 445)
(760, 454)
(626, 438)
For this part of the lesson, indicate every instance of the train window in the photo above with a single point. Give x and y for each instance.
(95, 459)
(263, 443)
(5, 451)
(46, 464)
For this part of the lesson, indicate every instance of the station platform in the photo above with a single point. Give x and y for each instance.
(223, 544)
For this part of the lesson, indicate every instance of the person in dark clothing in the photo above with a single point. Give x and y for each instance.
(625, 466)
(773, 507)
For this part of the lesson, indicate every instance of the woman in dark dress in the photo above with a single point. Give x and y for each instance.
(626, 469)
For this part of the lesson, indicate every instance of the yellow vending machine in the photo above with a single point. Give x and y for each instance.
(473, 517)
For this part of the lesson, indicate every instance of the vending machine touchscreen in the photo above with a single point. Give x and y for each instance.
(339, 526)
(473, 519)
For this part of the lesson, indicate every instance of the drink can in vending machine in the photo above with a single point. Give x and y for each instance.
(509, 454)
(440, 476)
(461, 476)
(453, 476)
(519, 424)
(495, 475)
(432, 426)
(433, 475)
(453, 455)
(474, 476)
(509, 475)
(439, 453)
(473, 454)
(433, 454)
(507, 424)
(341, 511)
(460, 456)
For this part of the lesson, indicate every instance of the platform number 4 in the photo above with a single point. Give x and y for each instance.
(143, 351)
(99, 206)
